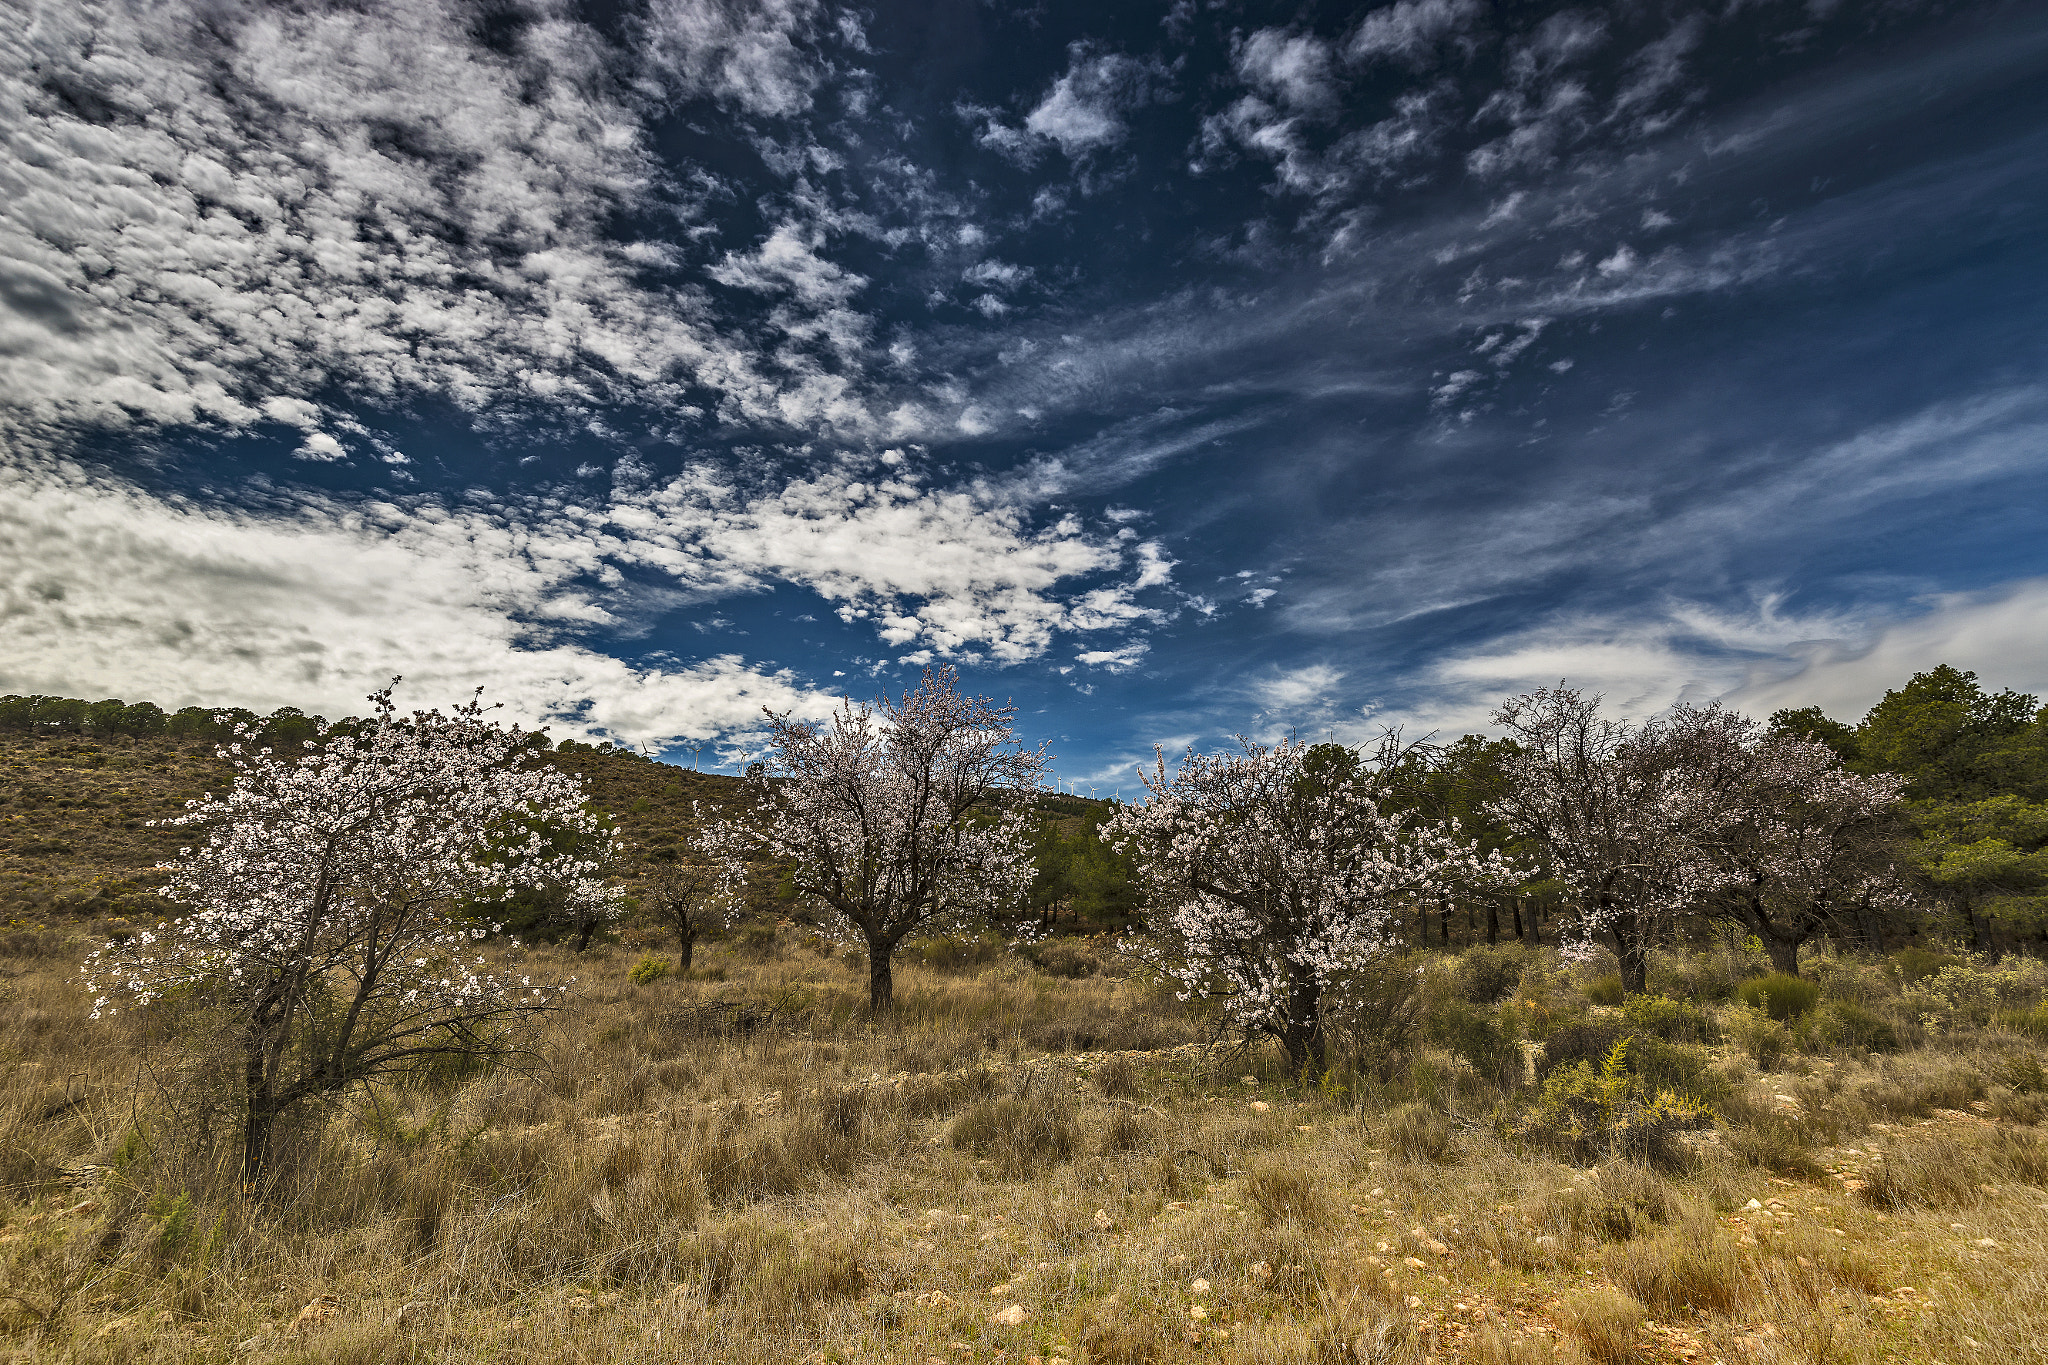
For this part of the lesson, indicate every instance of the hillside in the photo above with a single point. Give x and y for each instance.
(76, 838)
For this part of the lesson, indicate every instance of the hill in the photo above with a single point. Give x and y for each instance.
(78, 836)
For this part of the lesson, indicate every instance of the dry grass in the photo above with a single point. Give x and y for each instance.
(825, 1189)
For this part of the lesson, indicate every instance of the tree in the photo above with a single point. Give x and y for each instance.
(1586, 791)
(901, 816)
(1956, 742)
(695, 889)
(329, 928)
(1274, 870)
(1788, 842)
(1989, 861)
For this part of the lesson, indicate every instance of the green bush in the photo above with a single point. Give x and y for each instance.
(1067, 957)
(958, 953)
(1914, 965)
(650, 968)
(1483, 1037)
(1490, 975)
(1578, 1040)
(1674, 1021)
(2033, 1022)
(1844, 1023)
(1586, 1111)
(1780, 995)
(1419, 1133)
(1765, 1039)
(1020, 1133)
(1605, 990)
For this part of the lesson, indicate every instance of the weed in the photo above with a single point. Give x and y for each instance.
(1605, 990)
(1780, 995)
(1692, 1267)
(1606, 1323)
(649, 969)
(1419, 1133)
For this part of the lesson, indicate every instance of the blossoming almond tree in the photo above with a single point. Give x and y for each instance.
(1589, 792)
(1789, 843)
(329, 925)
(1275, 870)
(902, 816)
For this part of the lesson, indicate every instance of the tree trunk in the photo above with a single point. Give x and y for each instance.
(1515, 906)
(1301, 1033)
(686, 946)
(1632, 948)
(1492, 923)
(256, 1125)
(1784, 953)
(881, 981)
(583, 934)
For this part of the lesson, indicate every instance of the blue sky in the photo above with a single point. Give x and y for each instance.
(1174, 370)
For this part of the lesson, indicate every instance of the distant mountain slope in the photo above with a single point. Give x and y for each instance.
(75, 812)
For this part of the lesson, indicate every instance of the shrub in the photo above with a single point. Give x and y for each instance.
(757, 941)
(1117, 1077)
(1490, 975)
(1606, 1322)
(1780, 995)
(1071, 958)
(1419, 1133)
(1372, 1015)
(1914, 965)
(1678, 1067)
(1283, 1192)
(1844, 1023)
(650, 968)
(1605, 990)
(959, 952)
(2031, 1022)
(1672, 1020)
(1483, 1037)
(1690, 1267)
(1581, 1040)
(1776, 1144)
(1964, 993)
(1022, 1133)
(1765, 1039)
(1588, 1111)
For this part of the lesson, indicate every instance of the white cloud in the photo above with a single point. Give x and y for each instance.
(1296, 68)
(360, 200)
(1410, 29)
(746, 54)
(2001, 635)
(1085, 108)
(788, 261)
(1122, 659)
(107, 591)
(1291, 690)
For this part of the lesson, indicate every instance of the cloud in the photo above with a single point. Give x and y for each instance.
(209, 222)
(104, 589)
(2000, 634)
(1289, 690)
(1410, 30)
(1122, 659)
(1085, 108)
(1298, 69)
(787, 261)
(744, 54)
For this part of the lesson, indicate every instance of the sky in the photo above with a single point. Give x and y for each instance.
(1175, 371)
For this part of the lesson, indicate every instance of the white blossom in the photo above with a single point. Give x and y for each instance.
(1275, 870)
(908, 815)
(333, 893)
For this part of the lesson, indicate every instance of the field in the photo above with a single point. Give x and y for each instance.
(736, 1165)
